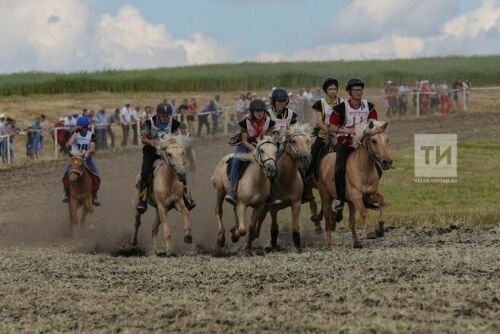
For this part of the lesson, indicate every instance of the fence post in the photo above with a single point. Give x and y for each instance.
(8, 150)
(418, 104)
(464, 98)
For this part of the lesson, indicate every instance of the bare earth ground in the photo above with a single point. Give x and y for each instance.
(419, 279)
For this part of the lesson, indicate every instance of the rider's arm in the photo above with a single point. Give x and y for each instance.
(335, 123)
(71, 139)
(373, 113)
(244, 141)
(318, 108)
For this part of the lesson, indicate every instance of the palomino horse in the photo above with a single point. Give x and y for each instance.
(362, 181)
(80, 189)
(254, 186)
(294, 154)
(167, 192)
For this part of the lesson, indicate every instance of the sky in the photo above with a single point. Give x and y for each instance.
(87, 35)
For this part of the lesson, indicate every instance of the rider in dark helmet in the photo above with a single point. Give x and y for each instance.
(252, 127)
(162, 123)
(345, 117)
(324, 109)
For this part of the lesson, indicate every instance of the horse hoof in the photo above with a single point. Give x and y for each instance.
(316, 218)
(221, 242)
(357, 244)
(318, 230)
(275, 248)
(371, 235)
(379, 233)
(234, 238)
(188, 239)
(161, 253)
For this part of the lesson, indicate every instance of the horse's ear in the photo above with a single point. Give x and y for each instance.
(370, 124)
(385, 125)
(261, 136)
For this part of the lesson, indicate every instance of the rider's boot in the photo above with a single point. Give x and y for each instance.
(339, 208)
(231, 196)
(95, 201)
(142, 206)
(188, 201)
(65, 198)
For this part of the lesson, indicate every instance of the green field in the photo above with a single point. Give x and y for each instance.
(481, 70)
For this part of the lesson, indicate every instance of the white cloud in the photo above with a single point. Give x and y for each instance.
(476, 32)
(53, 35)
(270, 57)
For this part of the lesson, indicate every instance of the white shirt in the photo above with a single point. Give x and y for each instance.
(134, 116)
(125, 115)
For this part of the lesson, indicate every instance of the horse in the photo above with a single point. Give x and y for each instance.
(166, 192)
(254, 186)
(80, 190)
(294, 154)
(362, 181)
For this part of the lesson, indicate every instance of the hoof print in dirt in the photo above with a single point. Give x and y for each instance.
(129, 251)
(379, 233)
(188, 239)
(357, 245)
(274, 249)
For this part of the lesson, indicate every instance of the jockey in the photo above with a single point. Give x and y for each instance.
(162, 123)
(323, 108)
(83, 140)
(279, 112)
(251, 128)
(344, 118)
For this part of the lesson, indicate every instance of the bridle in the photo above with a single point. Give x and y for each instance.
(78, 171)
(371, 153)
(260, 161)
(168, 159)
(293, 151)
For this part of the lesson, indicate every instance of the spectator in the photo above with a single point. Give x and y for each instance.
(191, 113)
(3, 140)
(424, 96)
(308, 95)
(241, 107)
(317, 95)
(203, 120)
(444, 100)
(10, 130)
(134, 123)
(44, 123)
(215, 108)
(434, 97)
(113, 119)
(182, 110)
(232, 123)
(392, 99)
(455, 88)
(125, 121)
(61, 135)
(174, 108)
(403, 92)
(101, 127)
(36, 145)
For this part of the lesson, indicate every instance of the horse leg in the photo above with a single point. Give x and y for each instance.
(162, 212)
(296, 224)
(221, 237)
(274, 229)
(188, 236)
(137, 224)
(326, 204)
(352, 225)
(251, 231)
(156, 227)
(240, 229)
(260, 220)
(357, 199)
(381, 220)
(87, 209)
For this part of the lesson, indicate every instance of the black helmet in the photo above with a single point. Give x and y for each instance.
(328, 82)
(164, 109)
(257, 105)
(279, 94)
(354, 81)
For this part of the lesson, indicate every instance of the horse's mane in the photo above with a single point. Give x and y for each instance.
(252, 156)
(363, 129)
(169, 140)
(298, 129)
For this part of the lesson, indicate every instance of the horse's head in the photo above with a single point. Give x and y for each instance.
(377, 143)
(296, 143)
(265, 154)
(171, 150)
(77, 163)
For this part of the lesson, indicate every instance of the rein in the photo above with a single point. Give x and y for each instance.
(78, 171)
(260, 161)
(365, 140)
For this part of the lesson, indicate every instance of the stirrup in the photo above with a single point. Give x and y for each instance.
(65, 199)
(273, 201)
(142, 207)
(230, 198)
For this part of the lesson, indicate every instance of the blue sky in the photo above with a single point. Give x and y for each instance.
(83, 35)
(273, 25)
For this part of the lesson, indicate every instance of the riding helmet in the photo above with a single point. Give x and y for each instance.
(257, 105)
(164, 109)
(83, 122)
(354, 81)
(279, 94)
(328, 82)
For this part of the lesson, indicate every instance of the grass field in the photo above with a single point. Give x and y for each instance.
(481, 70)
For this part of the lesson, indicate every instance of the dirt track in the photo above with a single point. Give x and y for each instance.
(440, 279)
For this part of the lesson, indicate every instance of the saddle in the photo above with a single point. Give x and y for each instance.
(243, 167)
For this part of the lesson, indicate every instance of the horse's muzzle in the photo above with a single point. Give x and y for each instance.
(386, 163)
(270, 171)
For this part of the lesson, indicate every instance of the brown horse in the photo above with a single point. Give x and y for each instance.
(167, 192)
(254, 185)
(289, 185)
(362, 181)
(80, 190)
